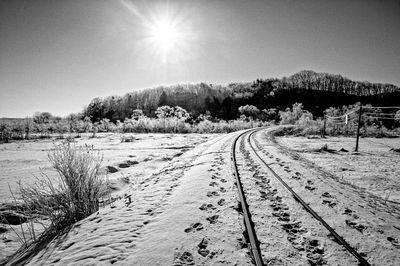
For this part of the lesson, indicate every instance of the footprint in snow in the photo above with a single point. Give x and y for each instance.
(356, 225)
(206, 207)
(212, 194)
(213, 219)
(394, 241)
(185, 258)
(203, 251)
(221, 202)
(213, 184)
(194, 227)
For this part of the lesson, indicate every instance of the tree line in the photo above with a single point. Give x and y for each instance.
(317, 92)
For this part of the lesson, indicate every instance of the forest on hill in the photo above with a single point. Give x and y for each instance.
(316, 91)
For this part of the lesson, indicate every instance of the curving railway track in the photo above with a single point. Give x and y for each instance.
(277, 219)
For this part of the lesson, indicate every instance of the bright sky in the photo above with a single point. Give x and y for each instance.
(57, 55)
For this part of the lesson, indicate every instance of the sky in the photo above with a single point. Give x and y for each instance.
(57, 55)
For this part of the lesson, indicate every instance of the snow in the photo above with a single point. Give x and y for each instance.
(184, 203)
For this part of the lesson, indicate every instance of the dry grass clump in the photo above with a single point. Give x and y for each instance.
(74, 195)
(58, 203)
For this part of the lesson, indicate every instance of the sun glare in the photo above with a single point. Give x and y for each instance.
(164, 34)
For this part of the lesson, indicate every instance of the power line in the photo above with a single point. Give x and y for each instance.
(333, 118)
(381, 107)
(380, 114)
(341, 119)
(342, 116)
(377, 117)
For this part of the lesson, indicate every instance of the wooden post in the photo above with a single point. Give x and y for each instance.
(164, 124)
(358, 128)
(324, 128)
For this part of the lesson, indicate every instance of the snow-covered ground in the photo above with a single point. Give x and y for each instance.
(182, 214)
(130, 164)
(368, 222)
(183, 207)
(25, 160)
(375, 167)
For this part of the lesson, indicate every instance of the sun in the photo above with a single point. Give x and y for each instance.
(164, 34)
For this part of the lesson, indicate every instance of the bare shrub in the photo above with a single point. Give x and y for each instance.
(290, 116)
(75, 194)
(306, 126)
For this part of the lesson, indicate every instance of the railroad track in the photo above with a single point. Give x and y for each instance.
(257, 185)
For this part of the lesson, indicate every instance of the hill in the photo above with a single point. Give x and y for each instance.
(317, 92)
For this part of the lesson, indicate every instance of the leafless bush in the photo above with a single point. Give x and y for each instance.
(75, 194)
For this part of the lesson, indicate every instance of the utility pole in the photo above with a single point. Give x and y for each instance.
(358, 128)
